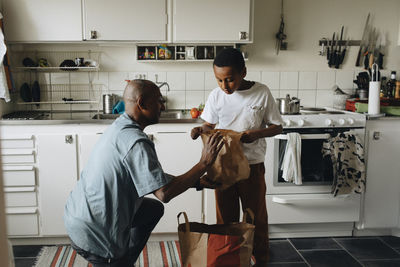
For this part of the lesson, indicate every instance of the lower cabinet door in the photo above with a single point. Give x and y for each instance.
(178, 153)
(58, 173)
(22, 221)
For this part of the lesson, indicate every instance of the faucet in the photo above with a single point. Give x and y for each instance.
(161, 84)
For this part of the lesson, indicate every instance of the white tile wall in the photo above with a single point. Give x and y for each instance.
(254, 76)
(326, 79)
(189, 89)
(344, 79)
(194, 99)
(116, 80)
(176, 100)
(209, 80)
(289, 80)
(307, 80)
(307, 98)
(324, 98)
(271, 79)
(176, 81)
(195, 80)
(157, 76)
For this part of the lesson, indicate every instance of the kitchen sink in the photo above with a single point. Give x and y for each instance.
(165, 115)
(100, 116)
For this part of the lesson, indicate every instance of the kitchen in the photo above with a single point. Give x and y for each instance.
(298, 71)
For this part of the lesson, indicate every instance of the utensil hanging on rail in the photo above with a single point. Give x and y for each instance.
(280, 35)
(364, 43)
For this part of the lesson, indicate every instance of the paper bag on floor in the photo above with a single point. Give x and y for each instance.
(231, 165)
(216, 245)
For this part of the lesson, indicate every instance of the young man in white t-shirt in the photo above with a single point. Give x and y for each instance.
(247, 107)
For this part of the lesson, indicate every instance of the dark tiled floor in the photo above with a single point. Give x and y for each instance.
(383, 251)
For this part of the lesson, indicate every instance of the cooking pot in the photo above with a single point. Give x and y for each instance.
(288, 105)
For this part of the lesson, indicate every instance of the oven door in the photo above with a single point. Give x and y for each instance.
(317, 175)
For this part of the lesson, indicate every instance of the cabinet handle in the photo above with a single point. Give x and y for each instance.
(93, 34)
(376, 135)
(69, 139)
(243, 36)
(151, 137)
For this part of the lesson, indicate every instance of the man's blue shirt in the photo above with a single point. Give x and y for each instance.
(122, 168)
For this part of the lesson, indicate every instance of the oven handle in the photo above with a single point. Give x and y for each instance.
(308, 199)
(305, 136)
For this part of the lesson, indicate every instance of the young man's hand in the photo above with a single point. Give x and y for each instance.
(196, 132)
(248, 136)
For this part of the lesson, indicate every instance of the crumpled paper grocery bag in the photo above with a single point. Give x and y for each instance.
(231, 165)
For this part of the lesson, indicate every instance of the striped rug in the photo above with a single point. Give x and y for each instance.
(154, 254)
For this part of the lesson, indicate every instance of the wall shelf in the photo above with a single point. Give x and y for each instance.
(179, 52)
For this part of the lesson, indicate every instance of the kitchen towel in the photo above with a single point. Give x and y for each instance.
(4, 93)
(291, 165)
(373, 98)
(347, 155)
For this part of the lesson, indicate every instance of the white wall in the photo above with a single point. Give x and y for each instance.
(299, 71)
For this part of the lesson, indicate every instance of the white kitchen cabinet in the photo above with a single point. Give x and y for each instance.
(177, 153)
(382, 195)
(213, 21)
(86, 144)
(126, 20)
(58, 173)
(42, 20)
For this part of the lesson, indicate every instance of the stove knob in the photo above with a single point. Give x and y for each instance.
(328, 122)
(341, 121)
(300, 122)
(287, 122)
(351, 121)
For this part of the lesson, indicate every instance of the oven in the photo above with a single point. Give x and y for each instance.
(317, 173)
(311, 202)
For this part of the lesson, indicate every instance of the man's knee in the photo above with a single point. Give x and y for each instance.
(156, 208)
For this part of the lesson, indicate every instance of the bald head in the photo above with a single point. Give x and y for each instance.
(139, 88)
(143, 102)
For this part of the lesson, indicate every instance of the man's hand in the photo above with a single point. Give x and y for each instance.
(196, 132)
(248, 136)
(211, 149)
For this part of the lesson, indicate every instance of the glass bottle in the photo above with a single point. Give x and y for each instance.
(382, 92)
(391, 85)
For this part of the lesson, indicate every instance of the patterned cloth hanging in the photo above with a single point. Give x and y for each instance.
(347, 154)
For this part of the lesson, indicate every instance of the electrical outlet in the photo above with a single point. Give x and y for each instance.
(138, 75)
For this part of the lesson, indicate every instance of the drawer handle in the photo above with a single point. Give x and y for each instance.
(17, 168)
(19, 189)
(17, 152)
(305, 200)
(24, 210)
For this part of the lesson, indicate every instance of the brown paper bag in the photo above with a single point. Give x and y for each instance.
(231, 165)
(216, 245)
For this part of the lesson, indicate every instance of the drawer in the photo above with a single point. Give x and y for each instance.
(22, 221)
(17, 141)
(18, 156)
(312, 208)
(19, 176)
(20, 196)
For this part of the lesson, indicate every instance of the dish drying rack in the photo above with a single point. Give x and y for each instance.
(59, 90)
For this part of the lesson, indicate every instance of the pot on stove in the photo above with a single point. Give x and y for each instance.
(288, 105)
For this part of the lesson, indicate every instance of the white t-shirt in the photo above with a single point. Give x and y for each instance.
(243, 110)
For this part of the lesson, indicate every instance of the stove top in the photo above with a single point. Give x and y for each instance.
(324, 118)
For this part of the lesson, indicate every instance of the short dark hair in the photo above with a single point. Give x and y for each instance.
(230, 57)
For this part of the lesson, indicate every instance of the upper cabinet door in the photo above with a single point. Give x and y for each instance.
(42, 20)
(212, 21)
(126, 20)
